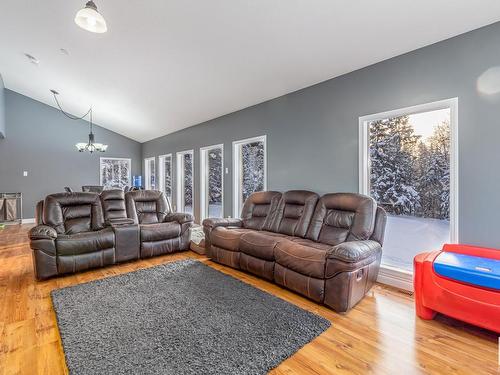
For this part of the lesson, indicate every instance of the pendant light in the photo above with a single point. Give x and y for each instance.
(90, 19)
(90, 146)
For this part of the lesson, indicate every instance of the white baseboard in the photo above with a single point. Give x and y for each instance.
(395, 277)
(29, 221)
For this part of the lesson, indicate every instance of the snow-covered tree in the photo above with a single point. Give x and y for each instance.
(392, 155)
(168, 176)
(252, 168)
(115, 173)
(215, 176)
(434, 173)
(188, 179)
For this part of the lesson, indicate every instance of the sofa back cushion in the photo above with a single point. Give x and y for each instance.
(146, 206)
(113, 204)
(341, 217)
(71, 213)
(294, 212)
(259, 209)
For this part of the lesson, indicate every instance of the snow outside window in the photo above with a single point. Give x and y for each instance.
(212, 175)
(165, 178)
(185, 184)
(150, 173)
(409, 173)
(250, 174)
(115, 173)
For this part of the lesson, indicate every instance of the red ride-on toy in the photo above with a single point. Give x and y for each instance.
(459, 281)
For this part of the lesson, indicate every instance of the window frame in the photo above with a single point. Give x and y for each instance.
(179, 156)
(236, 156)
(147, 173)
(204, 173)
(161, 175)
(129, 160)
(364, 164)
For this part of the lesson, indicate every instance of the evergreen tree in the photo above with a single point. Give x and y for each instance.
(215, 176)
(252, 168)
(188, 179)
(434, 177)
(392, 155)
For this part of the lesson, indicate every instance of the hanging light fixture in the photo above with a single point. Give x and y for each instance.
(88, 18)
(90, 146)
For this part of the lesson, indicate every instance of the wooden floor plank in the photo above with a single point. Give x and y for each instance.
(381, 335)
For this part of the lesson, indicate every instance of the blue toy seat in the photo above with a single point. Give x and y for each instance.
(469, 269)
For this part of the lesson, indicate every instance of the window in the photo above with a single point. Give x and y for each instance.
(211, 181)
(409, 166)
(150, 173)
(185, 188)
(115, 172)
(165, 178)
(249, 168)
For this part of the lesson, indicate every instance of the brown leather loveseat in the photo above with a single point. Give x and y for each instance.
(327, 249)
(78, 231)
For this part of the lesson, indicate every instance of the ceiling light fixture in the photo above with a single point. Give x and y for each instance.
(90, 19)
(32, 59)
(89, 146)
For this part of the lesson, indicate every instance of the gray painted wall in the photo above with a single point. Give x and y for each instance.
(312, 134)
(2, 108)
(42, 141)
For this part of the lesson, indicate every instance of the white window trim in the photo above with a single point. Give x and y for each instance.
(237, 205)
(147, 182)
(129, 168)
(390, 275)
(161, 174)
(204, 178)
(180, 179)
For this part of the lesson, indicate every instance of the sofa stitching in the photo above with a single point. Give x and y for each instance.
(298, 257)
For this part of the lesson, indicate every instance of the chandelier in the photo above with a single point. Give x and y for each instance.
(90, 146)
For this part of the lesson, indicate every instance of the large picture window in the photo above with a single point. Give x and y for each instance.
(249, 170)
(150, 173)
(165, 178)
(211, 181)
(185, 183)
(408, 165)
(115, 172)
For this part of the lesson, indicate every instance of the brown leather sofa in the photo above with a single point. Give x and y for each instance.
(79, 231)
(327, 249)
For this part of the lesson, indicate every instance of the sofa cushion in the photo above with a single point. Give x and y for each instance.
(341, 217)
(278, 235)
(259, 245)
(72, 213)
(308, 259)
(294, 212)
(259, 210)
(85, 242)
(228, 238)
(160, 231)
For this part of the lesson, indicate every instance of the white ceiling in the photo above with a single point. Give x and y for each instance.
(165, 65)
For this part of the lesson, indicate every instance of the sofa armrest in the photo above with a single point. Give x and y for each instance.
(212, 223)
(180, 217)
(354, 251)
(42, 232)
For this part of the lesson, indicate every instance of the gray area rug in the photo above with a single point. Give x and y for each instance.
(178, 318)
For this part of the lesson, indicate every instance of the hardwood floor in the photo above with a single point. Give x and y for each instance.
(381, 335)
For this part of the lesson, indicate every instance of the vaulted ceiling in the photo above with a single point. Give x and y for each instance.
(166, 65)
